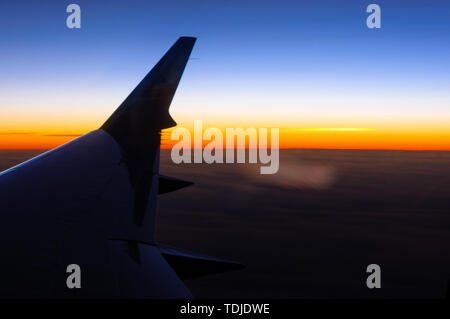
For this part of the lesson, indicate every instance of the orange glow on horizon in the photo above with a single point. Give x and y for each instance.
(348, 138)
(307, 137)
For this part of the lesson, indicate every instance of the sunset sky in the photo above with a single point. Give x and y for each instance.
(311, 68)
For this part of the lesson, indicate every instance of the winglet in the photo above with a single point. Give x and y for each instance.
(136, 125)
(146, 110)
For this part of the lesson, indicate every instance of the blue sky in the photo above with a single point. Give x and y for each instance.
(290, 62)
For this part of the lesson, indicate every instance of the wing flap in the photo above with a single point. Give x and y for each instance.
(170, 184)
(188, 265)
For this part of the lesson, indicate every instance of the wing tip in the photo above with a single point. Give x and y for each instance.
(146, 110)
(187, 37)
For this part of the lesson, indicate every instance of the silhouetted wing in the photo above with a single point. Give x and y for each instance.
(92, 202)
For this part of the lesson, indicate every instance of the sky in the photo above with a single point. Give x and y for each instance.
(311, 68)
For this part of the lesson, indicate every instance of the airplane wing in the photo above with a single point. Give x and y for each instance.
(93, 201)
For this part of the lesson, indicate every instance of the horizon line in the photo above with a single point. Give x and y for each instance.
(281, 148)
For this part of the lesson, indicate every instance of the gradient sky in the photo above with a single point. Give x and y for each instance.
(302, 66)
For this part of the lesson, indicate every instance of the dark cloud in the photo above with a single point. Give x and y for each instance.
(62, 135)
(34, 133)
(311, 230)
(17, 133)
